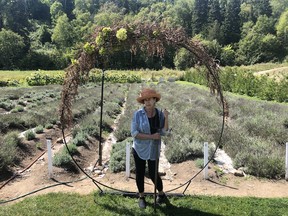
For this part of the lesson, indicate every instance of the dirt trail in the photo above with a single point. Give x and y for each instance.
(273, 71)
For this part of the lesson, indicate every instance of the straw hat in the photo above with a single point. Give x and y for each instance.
(148, 93)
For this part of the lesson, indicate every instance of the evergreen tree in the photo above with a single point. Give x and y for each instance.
(181, 14)
(199, 16)
(278, 7)
(232, 25)
(262, 7)
(15, 17)
(246, 13)
(214, 11)
(214, 21)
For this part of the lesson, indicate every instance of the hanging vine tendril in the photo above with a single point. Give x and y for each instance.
(149, 38)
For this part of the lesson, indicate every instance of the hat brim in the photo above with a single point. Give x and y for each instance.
(141, 99)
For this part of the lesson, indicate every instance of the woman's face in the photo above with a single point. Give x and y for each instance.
(150, 102)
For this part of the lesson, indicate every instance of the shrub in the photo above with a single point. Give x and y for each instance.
(17, 109)
(199, 163)
(40, 79)
(6, 105)
(72, 149)
(8, 149)
(39, 145)
(62, 159)
(267, 166)
(39, 129)
(49, 126)
(118, 157)
(30, 135)
(80, 138)
(184, 149)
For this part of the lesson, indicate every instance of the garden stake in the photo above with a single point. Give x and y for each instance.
(101, 114)
(156, 174)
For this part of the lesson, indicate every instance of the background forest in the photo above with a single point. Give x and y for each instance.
(46, 34)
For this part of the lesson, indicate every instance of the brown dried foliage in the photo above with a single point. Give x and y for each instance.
(150, 38)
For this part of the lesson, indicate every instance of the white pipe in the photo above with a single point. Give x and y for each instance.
(49, 150)
(286, 173)
(206, 160)
(127, 160)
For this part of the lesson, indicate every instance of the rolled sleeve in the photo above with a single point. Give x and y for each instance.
(134, 126)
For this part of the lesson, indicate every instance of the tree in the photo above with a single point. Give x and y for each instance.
(214, 12)
(63, 33)
(11, 49)
(262, 7)
(87, 6)
(282, 28)
(246, 12)
(278, 7)
(199, 16)
(38, 11)
(15, 17)
(82, 26)
(108, 14)
(264, 25)
(181, 14)
(215, 19)
(215, 32)
(153, 13)
(184, 59)
(227, 56)
(56, 10)
(232, 25)
(259, 44)
(68, 7)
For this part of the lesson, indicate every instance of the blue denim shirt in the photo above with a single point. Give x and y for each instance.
(146, 149)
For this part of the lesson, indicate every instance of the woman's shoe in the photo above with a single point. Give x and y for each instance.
(142, 202)
(161, 199)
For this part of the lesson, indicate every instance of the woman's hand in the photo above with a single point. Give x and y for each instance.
(155, 136)
(166, 113)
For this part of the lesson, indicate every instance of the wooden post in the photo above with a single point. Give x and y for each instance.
(206, 160)
(286, 175)
(49, 151)
(127, 160)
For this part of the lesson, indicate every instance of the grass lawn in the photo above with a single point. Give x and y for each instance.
(108, 204)
(20, 76)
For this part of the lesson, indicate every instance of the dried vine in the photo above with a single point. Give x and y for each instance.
(149, 38)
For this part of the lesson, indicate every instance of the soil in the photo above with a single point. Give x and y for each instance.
(36, 177)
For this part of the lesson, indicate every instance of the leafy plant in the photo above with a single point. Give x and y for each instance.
(118, 157)
(8, 149)
(39, 129)
(49, 126)
(30, 135)
(80, 138)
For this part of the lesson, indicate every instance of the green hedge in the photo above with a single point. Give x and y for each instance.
(241, 81)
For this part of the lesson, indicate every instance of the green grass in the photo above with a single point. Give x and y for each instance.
(108, 204)
(263, 66)
(20, 75)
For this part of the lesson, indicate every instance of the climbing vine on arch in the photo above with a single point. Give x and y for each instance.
(151, 39)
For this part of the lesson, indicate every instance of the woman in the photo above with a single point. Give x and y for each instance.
(147, 127)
